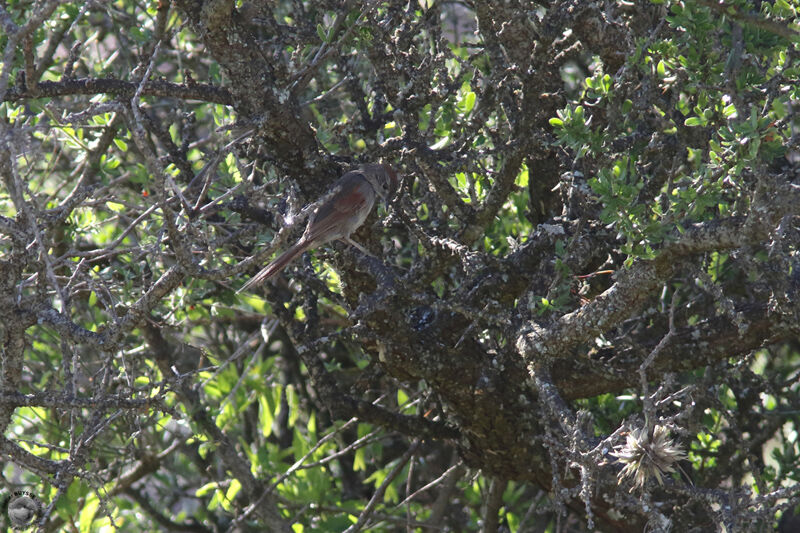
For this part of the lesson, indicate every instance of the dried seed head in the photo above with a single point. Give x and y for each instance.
(646, 457)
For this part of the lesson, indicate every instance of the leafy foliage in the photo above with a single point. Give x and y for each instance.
(581, 311)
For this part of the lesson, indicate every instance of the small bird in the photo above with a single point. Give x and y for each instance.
(352, 199)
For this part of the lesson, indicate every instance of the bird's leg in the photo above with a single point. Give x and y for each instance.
(350, 241)
(353, 243)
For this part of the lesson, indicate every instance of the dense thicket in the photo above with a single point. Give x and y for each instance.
(581, 311)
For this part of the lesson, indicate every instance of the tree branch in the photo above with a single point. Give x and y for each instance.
(91, 86)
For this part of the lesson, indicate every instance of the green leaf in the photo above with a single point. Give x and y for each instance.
(627, 105)
(469, 100)
(88, 512)
(265, 418)
(322, 33)
(206, 489)
(359, 460)
(232, 491)
(402, 397)
(783, 8)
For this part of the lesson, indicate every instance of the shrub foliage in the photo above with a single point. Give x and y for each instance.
(581, 311)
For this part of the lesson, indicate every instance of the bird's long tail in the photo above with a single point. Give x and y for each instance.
(276, 266)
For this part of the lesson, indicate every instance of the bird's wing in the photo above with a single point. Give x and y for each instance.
(339, 210)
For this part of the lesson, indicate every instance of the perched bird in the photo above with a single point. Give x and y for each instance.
(352, 198)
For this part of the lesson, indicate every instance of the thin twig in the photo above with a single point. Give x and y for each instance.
(378, 495)
(432, 484)
(647, 401)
